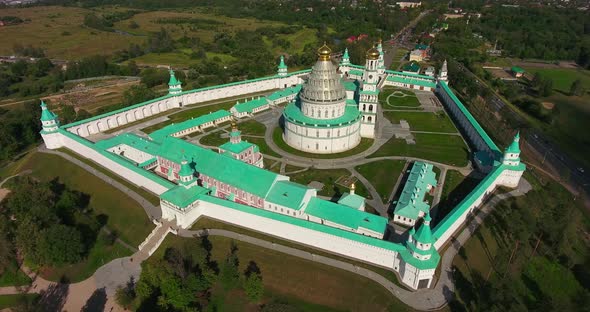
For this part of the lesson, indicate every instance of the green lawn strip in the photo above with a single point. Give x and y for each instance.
(383, 174)
(455, 188)
(277, 136)
(398, 99)
(214, 139)
(125, 215)
(9, 301)
(149, 196)
(328, 177)
(290, 168)
(13, 276)
(423, 121)
(563, 77)
(127, 125)
(207, 223)
(446, 149)
(252, 127)
(99, 255)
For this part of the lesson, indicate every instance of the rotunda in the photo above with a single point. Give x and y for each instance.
(322, 120)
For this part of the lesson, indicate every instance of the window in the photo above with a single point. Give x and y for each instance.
(370, 118)
(317, 146)
(328, 134)
(326, 113)
(370, 108)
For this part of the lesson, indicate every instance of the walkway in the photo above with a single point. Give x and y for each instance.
(425, 299)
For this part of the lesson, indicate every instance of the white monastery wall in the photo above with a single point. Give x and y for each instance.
(111, 165)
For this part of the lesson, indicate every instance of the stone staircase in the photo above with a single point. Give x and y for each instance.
(156, 237)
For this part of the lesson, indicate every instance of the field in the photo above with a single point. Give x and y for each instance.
(13, 276)
(447, 149)
(48, 27)
(563, 77)
(383, 174)
(419, 121)
(125, 215)
(308, 285)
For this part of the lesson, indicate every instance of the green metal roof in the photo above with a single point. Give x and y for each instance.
(514, 146)
(132, 140)
(148, 162)
(421, 46)
(294, 114)
(282, 63)
(431, 263)
(351, 200)
(517, 69)
(345, 216)
(236, 148)
(248, 106)
(185, 168)
(412, 75)
(355, 72)
(182, 196)
(288, 194)
(173, 81)
(411, 201)
(345, 55)
(46, 114)
(412, 67)
(284, 92)
(412, 81)
(225, 169)
(489, 142)
(160, 134)
(350, 85)
(424, 234)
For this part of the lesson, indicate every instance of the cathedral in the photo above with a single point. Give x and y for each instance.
(332, 113)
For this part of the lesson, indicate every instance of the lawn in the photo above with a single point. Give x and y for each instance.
(383, 174)
(60, 32)
(277, 137)
(424, 121)
(149, 196)
(202, 109)
(99, 255)
(446, 149)
(309, 285)
(328, 177)
(214, 139)
(456, 187)
(13, 276)
(125, 215)
(563, 77)
(409, 100)
(264, 148)
(8, 301)
(251, 127)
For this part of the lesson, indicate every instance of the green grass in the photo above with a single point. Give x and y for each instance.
(456, 187)
(423, 121)
(99, 255)
(149, 196)
(396, 101)
(563, 77)
(328, 177)
(446, 149)
(13, 276)
(309, 285)
(383, 174)
(252, 127)
(8, 301)
(214, 139)
(125, 215)
(184, 115)
(264, 148)
(290, 168)
(277, 137)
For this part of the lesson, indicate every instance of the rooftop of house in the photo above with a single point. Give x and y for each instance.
(411, 201)
(345, 216)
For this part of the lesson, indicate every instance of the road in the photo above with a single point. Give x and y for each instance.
(572, 173)
(390, 50)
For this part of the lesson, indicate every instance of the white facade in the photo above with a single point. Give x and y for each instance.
(325, 140)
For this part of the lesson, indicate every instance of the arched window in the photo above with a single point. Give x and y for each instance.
(364, 107)
(333, 113)
(328, 134)
(370, 118)
(326, 113)
(317, 133)
(338, 134)
(370, 108)
(312, 112)
(317, 146)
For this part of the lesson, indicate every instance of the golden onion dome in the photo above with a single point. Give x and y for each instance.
(324, 52)
(373, 54)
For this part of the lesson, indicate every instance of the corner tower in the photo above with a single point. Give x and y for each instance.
(50, 127)
(282, 68)
(513, 168)
(174, 85)
(369, 94)
(420, 257)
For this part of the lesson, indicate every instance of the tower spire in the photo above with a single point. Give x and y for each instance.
(174, 85)
(282, 68)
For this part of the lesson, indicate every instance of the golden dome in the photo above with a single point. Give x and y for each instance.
(373, 54)
(324, 52)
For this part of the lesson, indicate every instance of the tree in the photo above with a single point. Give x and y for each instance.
(229, 275)
(576, 88)
(137, 94)
(546, 87)
(253, 287)
(60, 244)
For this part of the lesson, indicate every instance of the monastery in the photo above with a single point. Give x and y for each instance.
(328, 109)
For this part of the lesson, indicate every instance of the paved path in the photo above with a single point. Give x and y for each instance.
(152, 211)
(376, 201)
(425, 299)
